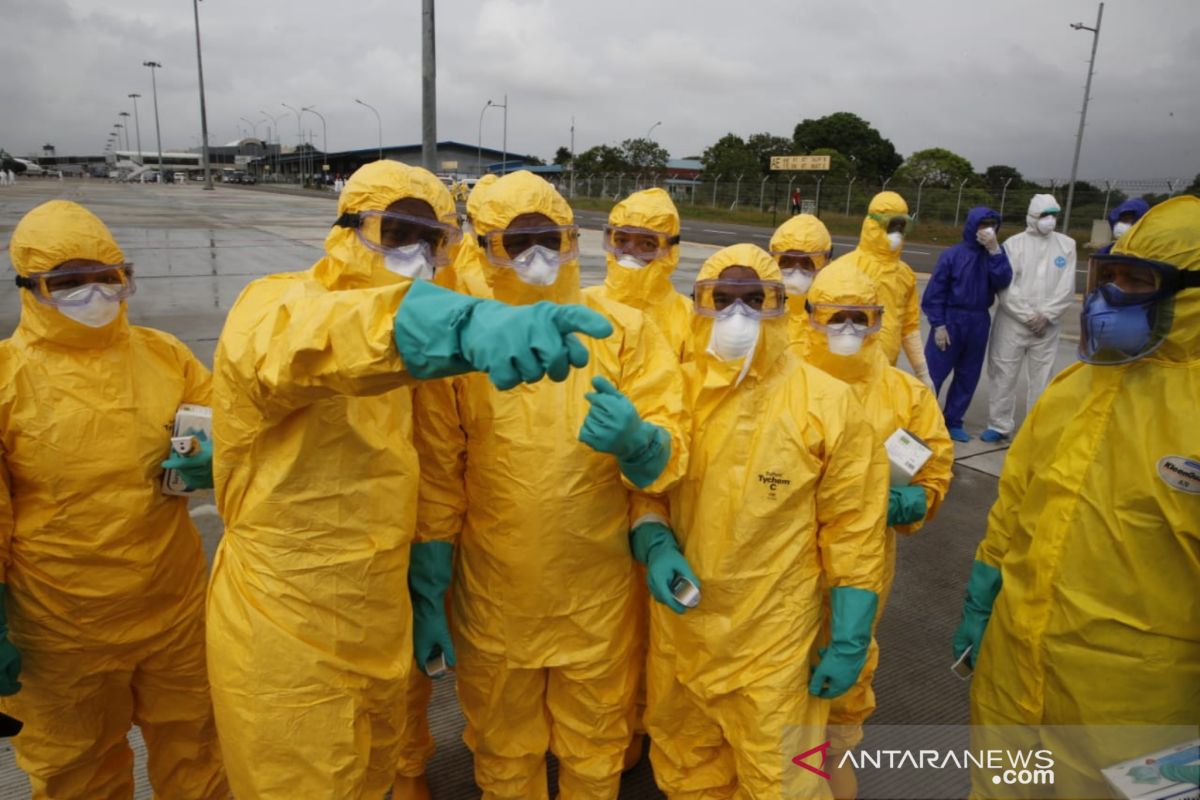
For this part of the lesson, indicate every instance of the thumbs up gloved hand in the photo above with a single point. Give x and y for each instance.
(195, 469)
(614, 426)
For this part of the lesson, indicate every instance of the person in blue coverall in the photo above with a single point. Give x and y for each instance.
(1122, 218)
(956, 301)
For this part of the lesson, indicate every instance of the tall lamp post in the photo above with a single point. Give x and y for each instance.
(324, 139)
(278, 139)
(652, 127)
(1087, 91)
(378, 124)
(121, 128)
(153, 65)
(125, 125)
(253, 125)
(137, 125)
(300, 134)
(479, 146)
(208, 183)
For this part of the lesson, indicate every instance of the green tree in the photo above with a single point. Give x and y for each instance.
(730, 156)
(937, 166)
(995, 176)
(644, 154)
(840, 169)
(600, 159)
(871, 155)
(765, 145)
(1195, 187)
(562, 156)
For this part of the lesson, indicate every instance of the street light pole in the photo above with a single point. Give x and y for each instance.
(253, 125)
(122, 127)
(428, 88)
(504, 142)
(652, 127)
(1087, 91)
(137, 126)
(208, 183)
(125, 125)
(479, 146)
(324, 138)
(278, 139)
(153, 65)
(378, 124)
(299, 136)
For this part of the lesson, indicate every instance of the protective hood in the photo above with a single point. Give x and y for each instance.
(844, 284)
(773, 334)
(373, 187)
(806, 233)
(1171, 233)
(475, 196)
(1137, 205)
(508, 198)
(1040, 204)
(873, 238)
(49, 235)
(975, 216)
(642, 288)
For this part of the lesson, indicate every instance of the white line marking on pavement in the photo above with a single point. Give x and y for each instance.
(711, 230)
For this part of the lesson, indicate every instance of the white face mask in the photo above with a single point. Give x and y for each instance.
(412, 261)
(895, 239)
(797, 281)
(1120, 228)
(843, 343)
(733, 336)
(631, 262)
(101, 307)
(538, 266)
(1046, 225)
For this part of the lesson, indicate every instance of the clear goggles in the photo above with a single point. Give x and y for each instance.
(722, 297)
(51, 287)
(802, 260)
(387, 231)
(840, 318)
(903, 223)
(1127, 280)
(505, 247)
(642, 243)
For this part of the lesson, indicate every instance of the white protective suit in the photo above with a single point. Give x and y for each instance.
(1043, 283)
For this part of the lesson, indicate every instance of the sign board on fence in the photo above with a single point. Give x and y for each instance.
(799, 162)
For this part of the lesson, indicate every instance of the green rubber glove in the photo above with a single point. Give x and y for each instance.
(10, 656)
(1181, 773)
(654, 545)
(614, 426)
(850, 636)
(982, 589)
(906, 505)
(196, 469)
(1144, 773)
(439, 332)
(430, 567)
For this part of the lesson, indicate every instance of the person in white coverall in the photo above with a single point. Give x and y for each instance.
(1027, 323)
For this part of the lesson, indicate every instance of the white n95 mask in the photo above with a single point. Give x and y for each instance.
(631, 262)
(412, 261)
(733, 336)
(94, 305)
(895, 239)
(538, 266)
(1120, 228)
(797, 281)
(1047, 225)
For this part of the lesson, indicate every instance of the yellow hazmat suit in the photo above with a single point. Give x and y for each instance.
(316, 475)
(542, 603)
(105, 573)
(649, 289)
(892, 399)
(894, 281)
(803, 233)
(1097, 540)
(783, 499)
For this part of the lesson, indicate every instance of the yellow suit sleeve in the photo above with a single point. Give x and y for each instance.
(911, 317)
(1014, 480)
(652, 380)
(925, 419)
(6, 515)
(441, 446)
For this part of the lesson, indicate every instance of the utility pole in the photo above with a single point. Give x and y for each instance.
(208, 184)
(572, 155)
(504, 145)
(428, 89)
(137, 126)
(153, 65)
(1087, 91)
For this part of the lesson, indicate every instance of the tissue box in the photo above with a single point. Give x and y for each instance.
(1122, 778)
(907, 454)
(190, 420)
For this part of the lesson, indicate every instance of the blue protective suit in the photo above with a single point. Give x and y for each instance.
(1137, 205)
(963, 287)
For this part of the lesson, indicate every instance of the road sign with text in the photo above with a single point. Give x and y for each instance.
(792, 163)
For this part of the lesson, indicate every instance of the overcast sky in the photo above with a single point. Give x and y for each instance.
(998, 82)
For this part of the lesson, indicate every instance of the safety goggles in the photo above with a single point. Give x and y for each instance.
(722, 297)
(801, 259)
(641, 243)
(51, 287)
(904, 221)
(504, 248)
(1128, 280)
(387, 231)
(841, 318)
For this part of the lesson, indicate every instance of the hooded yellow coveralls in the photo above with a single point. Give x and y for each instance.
(804, 233)
(1097, 540)
(105, 573)
(649, 289)
(895, 283)
(891, 399)
(784, 498)
(543, 606)
(309, 637)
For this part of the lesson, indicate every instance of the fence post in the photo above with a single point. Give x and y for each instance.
(848, 190)
(886, 181)
(716, 181)
(958, 205)
(817, 210)
(620, 178)
(762, 193)
(1107, 192)
(920, 186)
(1003, 195)
(737, 190)
(604, 184)
(1171, 184)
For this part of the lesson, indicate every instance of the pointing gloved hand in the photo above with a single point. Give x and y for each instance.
(941, 337)
(906, 505)
(654, 545)
(196, 469)
(1038, 324)
(614, 426)
(430, 567)
(982, 589)
(10, 656)
(853, 613)
(439, 332)
(987, 238)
